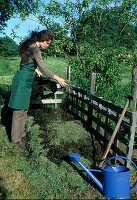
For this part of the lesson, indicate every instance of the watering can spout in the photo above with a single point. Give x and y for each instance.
(76, 157)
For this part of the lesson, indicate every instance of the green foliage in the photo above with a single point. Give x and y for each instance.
(101, 23)
(8, 47)
(115, 94)
(9, 8)
(8, 67)
(5, 67)
(107, 26)
(113, 68)
(98, 33)
(104, 63)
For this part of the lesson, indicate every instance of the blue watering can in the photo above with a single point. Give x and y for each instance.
(116, 179)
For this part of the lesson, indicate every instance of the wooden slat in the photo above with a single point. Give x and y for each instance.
(105, 126)
(77, 89)
(132, 137)
(46, 101)
(58, 92)
(103, 110)
(80, 98)
(80, 108)
(104, 103)
(111, 115)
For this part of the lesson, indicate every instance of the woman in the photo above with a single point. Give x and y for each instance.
(22, 82)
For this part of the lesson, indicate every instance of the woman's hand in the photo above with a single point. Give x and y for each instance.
(39, 74)
(61, 81)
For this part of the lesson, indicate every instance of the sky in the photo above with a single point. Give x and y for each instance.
(25, 27)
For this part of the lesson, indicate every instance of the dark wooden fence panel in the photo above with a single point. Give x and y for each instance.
(100, 117)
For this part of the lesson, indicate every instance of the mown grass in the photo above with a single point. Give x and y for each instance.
(56, 65)
(8, 66)
(13, 183)
(44, 170)
(46, 173)
(126, 75)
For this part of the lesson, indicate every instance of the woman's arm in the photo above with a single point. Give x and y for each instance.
(40, 63)
(46, 71)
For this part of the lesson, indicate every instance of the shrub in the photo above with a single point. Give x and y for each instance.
(103, 62)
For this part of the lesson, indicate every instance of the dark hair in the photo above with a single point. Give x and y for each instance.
(35, 36)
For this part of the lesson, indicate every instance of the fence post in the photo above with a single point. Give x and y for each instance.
(107, 121)
(99, 117)
(67, 73)
(132, 137)
(93, 82)
(134, 122)
(134, 97)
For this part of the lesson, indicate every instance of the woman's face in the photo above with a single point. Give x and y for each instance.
(44, 44)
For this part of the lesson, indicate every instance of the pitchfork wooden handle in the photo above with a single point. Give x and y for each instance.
(114, 134)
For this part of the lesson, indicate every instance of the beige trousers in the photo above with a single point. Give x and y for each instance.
(18, 125)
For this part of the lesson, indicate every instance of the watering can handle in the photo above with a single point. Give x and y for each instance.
(125, 159)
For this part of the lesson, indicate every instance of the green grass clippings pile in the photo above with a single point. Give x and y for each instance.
(44, 170)
(55, 173)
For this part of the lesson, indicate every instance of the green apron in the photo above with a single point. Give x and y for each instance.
(21, 87)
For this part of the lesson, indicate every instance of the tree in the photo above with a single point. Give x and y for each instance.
(9, 8)
(8, 47)
(101, 23)
(105, 27)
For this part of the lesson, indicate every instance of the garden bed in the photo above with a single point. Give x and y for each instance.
(46, 167)
(62, 134)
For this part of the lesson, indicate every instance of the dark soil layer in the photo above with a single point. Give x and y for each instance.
(57, 120)
(62, 134)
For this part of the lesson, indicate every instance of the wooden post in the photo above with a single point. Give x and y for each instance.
(93, 82)
(107, 121)
(132, 137)
(82, 106)
(67, 73)
(55, 95)
(99, 117)
(134, 97)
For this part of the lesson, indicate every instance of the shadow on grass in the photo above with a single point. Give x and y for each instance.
(83, 174)
(6, 112)
(3, 191)
(57, 154)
